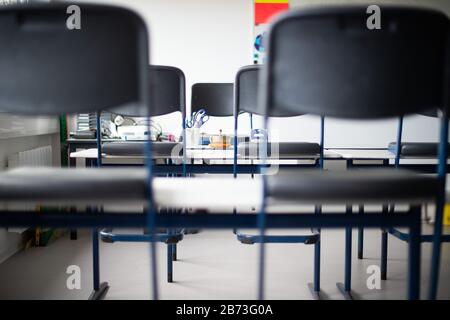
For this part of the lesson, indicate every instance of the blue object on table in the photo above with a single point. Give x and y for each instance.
(204, 140)
(258, 134)
(198, 119)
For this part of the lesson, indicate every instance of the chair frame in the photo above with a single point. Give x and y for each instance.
(313, 239)
(171, 238)
(413, 218)
(404, 236)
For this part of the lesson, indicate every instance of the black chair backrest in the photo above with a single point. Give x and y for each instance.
(45, 68)
(167, 92)
(246, 93)
(327, 62)
(169, 88)
(215, 98)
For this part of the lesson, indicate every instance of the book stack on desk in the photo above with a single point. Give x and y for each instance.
(86, 121)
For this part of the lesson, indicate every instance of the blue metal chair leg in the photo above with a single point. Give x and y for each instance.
(261, 271)
(174, 252)
(174, 246)
(95, 260)
(384, 254)
(99, 289)
(361, 236)
(317, 266)
(234, 212)
(345, 288)
(348, 259)
(437, 236)
(169, 263)
(436, 252)
(170, 253)
(384, 247)
(262, 257)
(414, 255)
(154, 270)
(261, 221)
(314, 288)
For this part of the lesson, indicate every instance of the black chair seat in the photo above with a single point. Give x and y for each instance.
(73, 185)
(377, 185)
(136, 148)
(415, 149)
(286, 150)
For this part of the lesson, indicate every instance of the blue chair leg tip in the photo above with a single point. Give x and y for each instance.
(316, 294)
(347, 294)
(100, 293)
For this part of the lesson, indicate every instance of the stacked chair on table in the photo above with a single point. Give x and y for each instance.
(215, 98)
(167, 87)
(421, 150)
(48, 69)
(246, 93)
(435, 150)
(401, 69)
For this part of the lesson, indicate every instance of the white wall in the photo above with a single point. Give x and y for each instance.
(210, 39)
(15, 126)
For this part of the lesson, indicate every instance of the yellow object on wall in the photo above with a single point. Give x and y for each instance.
(447, 214)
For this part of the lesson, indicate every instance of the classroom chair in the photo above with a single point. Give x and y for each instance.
(408, 150)
(245, 94)
(48, 69)
(167, 85)
(421, 150)
(218, 101)
(400, 69)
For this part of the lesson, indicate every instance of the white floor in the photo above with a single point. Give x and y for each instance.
(212, 265)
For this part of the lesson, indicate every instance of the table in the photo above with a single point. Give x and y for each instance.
(204, 160)
(74, 144)
(366, 157)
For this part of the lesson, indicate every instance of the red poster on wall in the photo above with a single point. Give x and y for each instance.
(265, 10)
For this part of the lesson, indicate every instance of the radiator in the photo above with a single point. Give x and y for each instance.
(39, 157)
